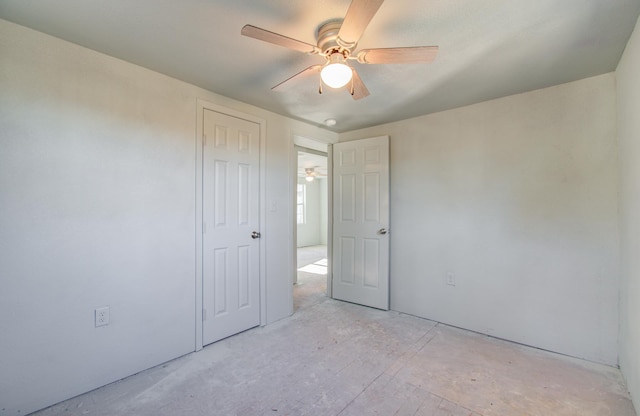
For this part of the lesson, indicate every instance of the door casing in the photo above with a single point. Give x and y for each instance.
(324, 148)
(326, 154)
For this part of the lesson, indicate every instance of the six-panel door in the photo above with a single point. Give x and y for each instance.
(231, 257)
(361, 221)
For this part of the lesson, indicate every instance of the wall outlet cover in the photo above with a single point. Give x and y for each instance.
(102, 316)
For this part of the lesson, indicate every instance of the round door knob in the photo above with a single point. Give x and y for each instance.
(383, 231)
(255, 235)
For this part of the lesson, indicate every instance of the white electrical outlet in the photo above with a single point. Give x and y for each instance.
(451, 279)
(102, 316)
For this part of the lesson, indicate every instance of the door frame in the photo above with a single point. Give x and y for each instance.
(307, 144)
(202, 105)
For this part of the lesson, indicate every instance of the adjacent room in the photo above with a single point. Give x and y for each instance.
(343, 207)
(312, 214)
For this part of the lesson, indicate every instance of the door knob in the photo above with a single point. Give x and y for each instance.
(255, 235)
(383, 231)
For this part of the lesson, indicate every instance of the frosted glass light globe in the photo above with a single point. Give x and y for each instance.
(336, 74)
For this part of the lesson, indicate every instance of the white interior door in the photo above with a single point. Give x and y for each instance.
(231, 255)
(361, 221)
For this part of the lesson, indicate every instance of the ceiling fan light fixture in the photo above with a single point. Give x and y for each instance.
(309, 174)
(336, 74)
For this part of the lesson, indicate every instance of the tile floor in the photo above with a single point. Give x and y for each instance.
(336, 358)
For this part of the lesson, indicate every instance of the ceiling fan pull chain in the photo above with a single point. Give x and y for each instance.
(352, 90)
(320, 86)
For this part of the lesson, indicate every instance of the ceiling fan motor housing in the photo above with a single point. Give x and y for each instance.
(328, 41)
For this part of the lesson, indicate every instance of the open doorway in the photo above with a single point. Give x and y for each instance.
(312, 203)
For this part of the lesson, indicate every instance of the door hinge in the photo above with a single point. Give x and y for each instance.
(204, 314)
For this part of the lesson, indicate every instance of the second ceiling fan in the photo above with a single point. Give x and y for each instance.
(337, 41)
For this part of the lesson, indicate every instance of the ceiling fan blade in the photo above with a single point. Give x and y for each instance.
(358, 16)
(277, 39)
(359, 90)
(314, 69)
(410, 55)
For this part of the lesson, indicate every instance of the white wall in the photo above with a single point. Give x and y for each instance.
(97, 207)
(324, 210)
(518, 198)
(310, 233)
(628, 85)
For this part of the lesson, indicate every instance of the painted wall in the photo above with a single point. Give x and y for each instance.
(97, 207)
(310, 233)
(628, 86)
(518, 198)
(324, 210)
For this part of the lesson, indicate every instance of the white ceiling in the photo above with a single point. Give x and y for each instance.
(488, 48)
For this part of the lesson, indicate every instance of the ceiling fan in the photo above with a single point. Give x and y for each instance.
(337, 41)
(311, 173)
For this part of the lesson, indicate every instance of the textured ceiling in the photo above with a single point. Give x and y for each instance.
(488, 48)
